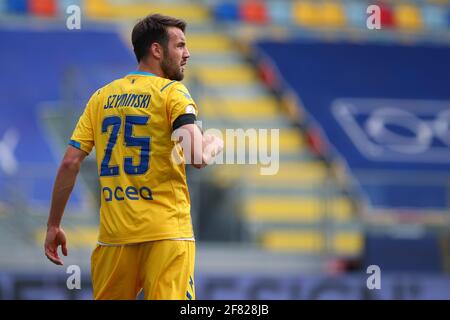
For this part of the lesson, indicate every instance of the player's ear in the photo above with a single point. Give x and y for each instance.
(156, 50)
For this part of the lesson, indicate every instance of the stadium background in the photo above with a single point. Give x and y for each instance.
(364, 119)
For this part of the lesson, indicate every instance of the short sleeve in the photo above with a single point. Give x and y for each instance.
(182, 108)
(83, 135)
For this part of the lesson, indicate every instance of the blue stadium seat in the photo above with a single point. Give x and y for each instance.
(226, 12)
(356, 13)
(280, 12)
(17, 6)
(434, 17)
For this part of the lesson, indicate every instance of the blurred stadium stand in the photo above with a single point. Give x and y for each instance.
(254, 64)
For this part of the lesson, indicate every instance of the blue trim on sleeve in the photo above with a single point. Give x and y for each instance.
(142, 73)
(167, 85)
(75, 144)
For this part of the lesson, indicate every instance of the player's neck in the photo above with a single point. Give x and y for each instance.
(155, 69)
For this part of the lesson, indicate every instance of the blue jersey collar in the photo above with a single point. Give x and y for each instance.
(141, 73)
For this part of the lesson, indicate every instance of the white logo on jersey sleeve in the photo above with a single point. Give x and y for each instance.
(190, 109)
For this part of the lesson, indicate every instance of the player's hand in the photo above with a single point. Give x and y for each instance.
(219, 146)
(55, 238)
(215, 145)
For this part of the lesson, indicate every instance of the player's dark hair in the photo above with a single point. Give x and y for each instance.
(153, 28)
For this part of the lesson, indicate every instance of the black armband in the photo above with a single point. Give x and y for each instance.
(187, 118)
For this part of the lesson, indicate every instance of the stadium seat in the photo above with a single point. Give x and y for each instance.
(225, 75)
(408, 17)
(253, 11)
(283, 209)
(103, 9)
(97, 9)
(289, 175)
(280, 12)
(332, 15)
(356, 15)
(232, 108)
(306, 14)
(194, 13)
(225, 11)
(290, 141)
(341, 243)
(17, 6)
(208, 43)
(347, 243)
(434, 17)
(45, 8)
(64, 4)
(308, 242)
(387, 17)
(297, 209)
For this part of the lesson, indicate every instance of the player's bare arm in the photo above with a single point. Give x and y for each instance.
(63, 186)
(203, 147)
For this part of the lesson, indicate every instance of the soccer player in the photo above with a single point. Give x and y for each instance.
(146, 238)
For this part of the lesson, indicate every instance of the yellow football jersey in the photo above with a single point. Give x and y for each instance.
(144, 194)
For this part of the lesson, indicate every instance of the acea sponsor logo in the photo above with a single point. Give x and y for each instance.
(397, 130)
(119, 193)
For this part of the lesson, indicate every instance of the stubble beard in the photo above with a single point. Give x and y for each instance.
(171, 69)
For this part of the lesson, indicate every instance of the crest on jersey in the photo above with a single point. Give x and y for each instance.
(190, 109)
